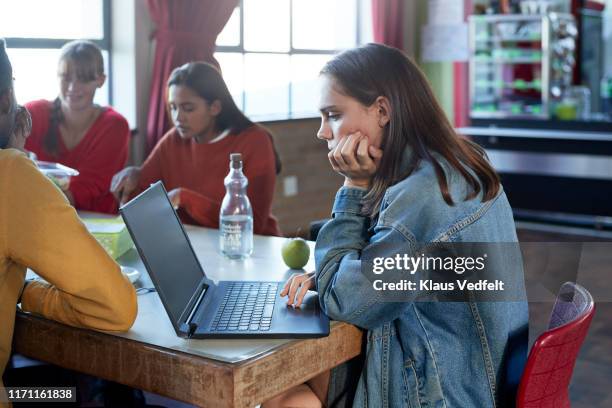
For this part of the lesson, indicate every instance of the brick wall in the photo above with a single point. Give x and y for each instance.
(305, 157)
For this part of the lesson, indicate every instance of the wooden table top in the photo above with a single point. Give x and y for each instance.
(216, 373)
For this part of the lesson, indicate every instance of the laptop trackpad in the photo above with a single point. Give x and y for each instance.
(308, 308)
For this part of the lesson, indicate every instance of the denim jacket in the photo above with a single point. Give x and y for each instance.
(423, 354)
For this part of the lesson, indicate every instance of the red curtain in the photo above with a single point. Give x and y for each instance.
(186, 30)
(461, 92)
(387, 18)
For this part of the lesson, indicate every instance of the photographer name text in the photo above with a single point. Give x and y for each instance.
(430, 285)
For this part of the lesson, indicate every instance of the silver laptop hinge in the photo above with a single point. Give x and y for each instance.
(193, 326)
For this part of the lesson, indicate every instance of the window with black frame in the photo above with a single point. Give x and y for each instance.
(35, 30)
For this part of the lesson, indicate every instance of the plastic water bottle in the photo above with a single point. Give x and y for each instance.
(236, 216)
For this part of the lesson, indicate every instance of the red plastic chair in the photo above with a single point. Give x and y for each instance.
(545, 381)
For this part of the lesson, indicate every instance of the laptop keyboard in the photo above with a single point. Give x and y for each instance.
(246, 306)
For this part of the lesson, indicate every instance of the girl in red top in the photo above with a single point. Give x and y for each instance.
(192, 159)
(74, 131)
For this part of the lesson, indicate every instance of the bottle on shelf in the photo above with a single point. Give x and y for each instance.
(606, 96)
(236, 215)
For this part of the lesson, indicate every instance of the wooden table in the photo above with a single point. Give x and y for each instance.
(211, 373)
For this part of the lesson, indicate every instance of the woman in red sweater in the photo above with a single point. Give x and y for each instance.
(74, 131)
(192, 159)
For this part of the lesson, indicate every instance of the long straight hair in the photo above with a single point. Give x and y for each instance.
(206, 81)
(416, 121)
(84, 60)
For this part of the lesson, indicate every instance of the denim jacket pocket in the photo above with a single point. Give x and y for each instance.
(422, 387)
(411, 385)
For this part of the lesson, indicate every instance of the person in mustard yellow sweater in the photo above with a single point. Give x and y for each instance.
(41, 231)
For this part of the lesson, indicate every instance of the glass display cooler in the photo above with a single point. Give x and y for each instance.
(520, 65)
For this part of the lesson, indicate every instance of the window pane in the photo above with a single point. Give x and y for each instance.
(35, 72)
(232, 68)
(304, 83)
(324, 24)
(230, 35)
(266, 84)
(266, 25)
(365, 12)
(51, 19)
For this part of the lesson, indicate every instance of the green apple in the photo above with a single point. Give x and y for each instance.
(295, 253)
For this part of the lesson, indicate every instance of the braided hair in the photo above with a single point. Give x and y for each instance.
(84, 60)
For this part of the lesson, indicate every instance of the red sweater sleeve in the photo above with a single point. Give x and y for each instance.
(203, 210)
(39, 111)
(106, 155)
(151, 169)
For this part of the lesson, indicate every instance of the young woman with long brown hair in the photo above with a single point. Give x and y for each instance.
(192, 158)
(409, 180)
(78, 133)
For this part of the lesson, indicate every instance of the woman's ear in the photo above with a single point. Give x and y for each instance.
(100, 81)
(215, 107)
(383, 108)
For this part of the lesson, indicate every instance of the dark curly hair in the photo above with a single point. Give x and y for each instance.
(6, 85)
(6, 71)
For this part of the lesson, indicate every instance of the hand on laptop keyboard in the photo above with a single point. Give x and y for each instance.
(297, 286)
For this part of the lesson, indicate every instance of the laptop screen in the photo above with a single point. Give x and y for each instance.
(164, 248)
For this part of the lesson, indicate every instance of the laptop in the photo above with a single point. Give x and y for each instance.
(197, 306)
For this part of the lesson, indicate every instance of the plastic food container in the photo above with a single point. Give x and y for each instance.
(111, 233)
(131, 273)
(58, 173)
